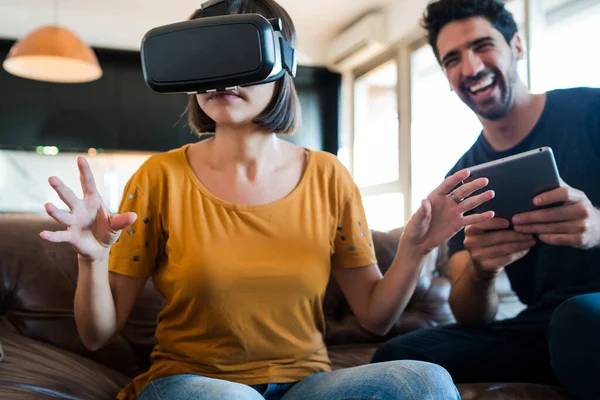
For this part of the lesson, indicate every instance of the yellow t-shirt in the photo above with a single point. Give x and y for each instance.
(243, 285)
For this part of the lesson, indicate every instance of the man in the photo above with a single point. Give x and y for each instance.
(552, 257)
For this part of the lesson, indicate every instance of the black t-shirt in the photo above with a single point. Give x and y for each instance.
(570, 125)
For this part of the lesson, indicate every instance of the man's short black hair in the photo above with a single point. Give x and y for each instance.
(442, 12)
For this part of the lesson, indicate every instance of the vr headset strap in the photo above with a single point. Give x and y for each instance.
(214, 8)
(288, 55)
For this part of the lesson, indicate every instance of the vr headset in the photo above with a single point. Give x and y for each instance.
(216, 52)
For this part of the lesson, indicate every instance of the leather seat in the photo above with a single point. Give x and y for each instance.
(42, 348)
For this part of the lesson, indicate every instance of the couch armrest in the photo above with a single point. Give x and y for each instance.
(30, 362)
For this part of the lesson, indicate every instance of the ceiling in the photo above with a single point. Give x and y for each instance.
(122, 23)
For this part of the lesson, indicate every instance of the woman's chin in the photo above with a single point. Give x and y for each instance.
(233, 122)
(226, 118)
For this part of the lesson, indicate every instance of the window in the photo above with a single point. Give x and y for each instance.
(565, 55)
(375, 147)
(442, 127)
(26, 192)
(376, 126)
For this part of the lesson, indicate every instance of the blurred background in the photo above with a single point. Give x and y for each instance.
(370, 88)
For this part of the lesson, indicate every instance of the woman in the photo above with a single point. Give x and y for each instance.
(240, 234)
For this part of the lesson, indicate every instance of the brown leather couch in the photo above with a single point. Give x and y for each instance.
(42, 348)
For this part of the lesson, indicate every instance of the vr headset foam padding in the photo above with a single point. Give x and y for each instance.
(215, 53)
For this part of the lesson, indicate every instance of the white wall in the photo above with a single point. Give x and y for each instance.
(404, 17)
(121, 24)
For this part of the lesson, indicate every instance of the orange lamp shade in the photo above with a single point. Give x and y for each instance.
(53, 54)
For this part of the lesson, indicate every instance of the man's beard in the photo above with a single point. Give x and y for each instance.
(492, 109)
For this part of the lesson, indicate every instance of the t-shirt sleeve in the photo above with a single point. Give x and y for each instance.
(138, 247)
(353, 239)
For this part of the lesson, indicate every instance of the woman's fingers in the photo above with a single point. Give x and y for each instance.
(477, 218)
(88, 184)
(472, 202)
(64, 192)
(59, 216)
(469, 188)
(56, 237)
(450, 182)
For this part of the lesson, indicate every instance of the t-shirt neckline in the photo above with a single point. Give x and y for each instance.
(296, 191)
(524, 144)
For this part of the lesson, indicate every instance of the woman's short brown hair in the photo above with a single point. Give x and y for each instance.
(282, 115)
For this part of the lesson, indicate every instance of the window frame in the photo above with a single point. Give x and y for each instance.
(398, 185)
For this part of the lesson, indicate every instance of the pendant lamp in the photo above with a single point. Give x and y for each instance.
(53, 54)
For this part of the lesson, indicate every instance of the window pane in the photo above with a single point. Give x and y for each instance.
(376, 126)
(384, 211)
(517, 9)
(442, 126)
(567, 56)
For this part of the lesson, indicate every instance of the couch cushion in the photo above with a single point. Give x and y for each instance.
(29, 362)
(427, 308)
(347, 356)
(17, 393)
(37, 288)
(39, 279)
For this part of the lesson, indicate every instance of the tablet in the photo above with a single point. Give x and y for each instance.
(516, 180)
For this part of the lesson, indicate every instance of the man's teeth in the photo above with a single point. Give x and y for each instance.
(482, 84)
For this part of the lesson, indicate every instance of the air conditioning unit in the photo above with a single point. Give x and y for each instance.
(363, 40)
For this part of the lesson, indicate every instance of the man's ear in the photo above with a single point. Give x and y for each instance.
(516, 44)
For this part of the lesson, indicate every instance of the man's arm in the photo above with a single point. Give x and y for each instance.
(473, 299)
(490, 246)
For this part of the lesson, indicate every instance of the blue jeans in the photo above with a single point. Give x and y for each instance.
(556, 346)
(396, 380)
